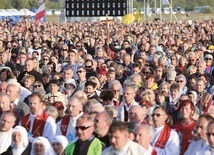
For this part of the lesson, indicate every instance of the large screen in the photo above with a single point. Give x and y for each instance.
(78, 8)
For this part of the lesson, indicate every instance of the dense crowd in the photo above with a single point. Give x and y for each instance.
(82, 88)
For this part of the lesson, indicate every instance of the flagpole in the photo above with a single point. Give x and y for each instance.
(144, 10)
(160, 9)
(171, 10)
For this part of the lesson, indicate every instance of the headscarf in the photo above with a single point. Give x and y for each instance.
(62, 140)
(18, 149)
(48, 150)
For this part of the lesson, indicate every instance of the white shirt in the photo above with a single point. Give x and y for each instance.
(172, 146)
(71, 132)
(206, 151)
(6, 140)
(196, 146)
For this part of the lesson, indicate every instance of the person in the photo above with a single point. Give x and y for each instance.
(120, 143)
(129, 94)
(200, 130)
(38, 123)
(137, 114)
(20, 144)
(7, 122)
(4, 102)
(20, 107)
(185, 126)
(209, 150)
(29, 71)
(66, 125)
(101, 127)
(59, 144)
(6, 62)
(166, 140)
(81, 72)
(86, 143)
(143, 136)
(90, 90)
(41, 146)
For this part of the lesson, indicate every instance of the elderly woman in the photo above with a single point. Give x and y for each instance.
(187, 125)
(41, 146)
(59, 144)
(20, 144)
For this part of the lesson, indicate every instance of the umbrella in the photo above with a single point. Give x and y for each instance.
(128, 19)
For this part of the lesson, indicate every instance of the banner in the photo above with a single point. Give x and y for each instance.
(40, 12)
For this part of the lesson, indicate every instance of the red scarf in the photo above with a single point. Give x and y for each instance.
(64, 124)
(163, 137)
(38, 124)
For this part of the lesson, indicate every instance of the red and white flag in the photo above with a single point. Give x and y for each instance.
(40, 12)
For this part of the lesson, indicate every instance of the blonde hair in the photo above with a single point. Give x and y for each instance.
(148, 95)
(95, 80)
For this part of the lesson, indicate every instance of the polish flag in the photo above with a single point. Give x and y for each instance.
(40, 12)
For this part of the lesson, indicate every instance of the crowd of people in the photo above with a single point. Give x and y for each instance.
(87, 88)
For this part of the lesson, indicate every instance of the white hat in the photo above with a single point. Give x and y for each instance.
(71, 81)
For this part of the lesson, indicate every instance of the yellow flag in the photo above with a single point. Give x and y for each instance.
(138, 16)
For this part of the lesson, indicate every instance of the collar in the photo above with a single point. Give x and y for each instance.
(15, 102)
(76, 117)
(124, 149)
(156, 130)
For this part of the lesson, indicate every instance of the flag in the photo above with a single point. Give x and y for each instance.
(138, 16)
(40, 12)
(148, 11)
(165, 2)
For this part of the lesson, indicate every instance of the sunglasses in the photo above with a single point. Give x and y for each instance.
(208, 59)
(45, 59)
(179, 81)
(157, 115)
(209, 134)
(147, 73)
(80, 71)
(82, 127)
(88, 66)
(37, 86)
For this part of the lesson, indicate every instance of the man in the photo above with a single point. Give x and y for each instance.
(67, 124)
(6, 62)
(3, 86)
(89, 68)
(90, 90)
(81, 72)
(21, 65)
(54, 94)
(29, 65)
(209, 150)
(166, 140)
(18, 106)
(137, 114)
(115, 86)
(72, 63)
(181, 80)
(86, 143)
(38, 123)
(102, 124)
(121, 144)
(129, 100)
(66, 75)
(4, 102)
(201, 133)
(7, 122)
(127, 64)
(143, 136)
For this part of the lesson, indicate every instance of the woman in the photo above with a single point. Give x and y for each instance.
(41, 146)
(20, 144)
(187, 125)
(6, 74)
(59, 144)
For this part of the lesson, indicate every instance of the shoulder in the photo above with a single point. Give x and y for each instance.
(108, 151)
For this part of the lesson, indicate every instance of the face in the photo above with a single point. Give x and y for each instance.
(86, 131)
(39, 149)
(58, 148)
(201, 128)
(35, 105)
(165, 88)
(29, 65)
(28, 83)
(160, 98)
(142, 137)
(110, 77)
(89, 90)
(53, 88)
(136, 70)
(192, 83)
(186, 111)
(136, 114)
(71, 57)
(3, 87)
(116, 91)
(17, 137)
(74, 108)
(200, 86)
(210, 135)
(4, 103)
(129, 95)
(149, 83)
(3, 76)
(4, 57)
(6, 123)
(12, 92)
(174, 93)
(159, 117)
(67, 74)
(118, 139)
(201, 68)
(22, 58)
(100, 124)
(135, 81)
(81, 73)
(181, 82)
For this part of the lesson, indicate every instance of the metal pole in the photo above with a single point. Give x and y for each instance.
(144, 11)
(171, 10)
(160, 9)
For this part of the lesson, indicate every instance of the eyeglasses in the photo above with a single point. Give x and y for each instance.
(191, 60)
(208, 59)
(116, 91)
(157, 115)
(147, 73)
(179, 81)
(37, 86)
(209, 134)
(45, 59)
(127, 93)
(82, 127)
(88, 66)
(80, 71)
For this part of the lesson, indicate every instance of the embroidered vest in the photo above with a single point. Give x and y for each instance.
(163, 137)
(38, 124)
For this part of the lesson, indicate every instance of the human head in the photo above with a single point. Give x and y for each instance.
(115, 87)
(4, 102)
(54, 86)
(200, 85)
(13, 91)
(75, 106)
(41, 146)
(35, 103)
(159, 117)
(201, 66)
(67, 73)
(29, 65)
(6, 74)
(210, 134)
(59, 144)
(187, 109)
(129, 94)
(4, 56)
(7, 121)
(136, 113)
(19, 137)
(28, 81)
(181, 80)
(84, 127)
(3, 86)
(144, 135)
(90, 87)
(118, 134)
